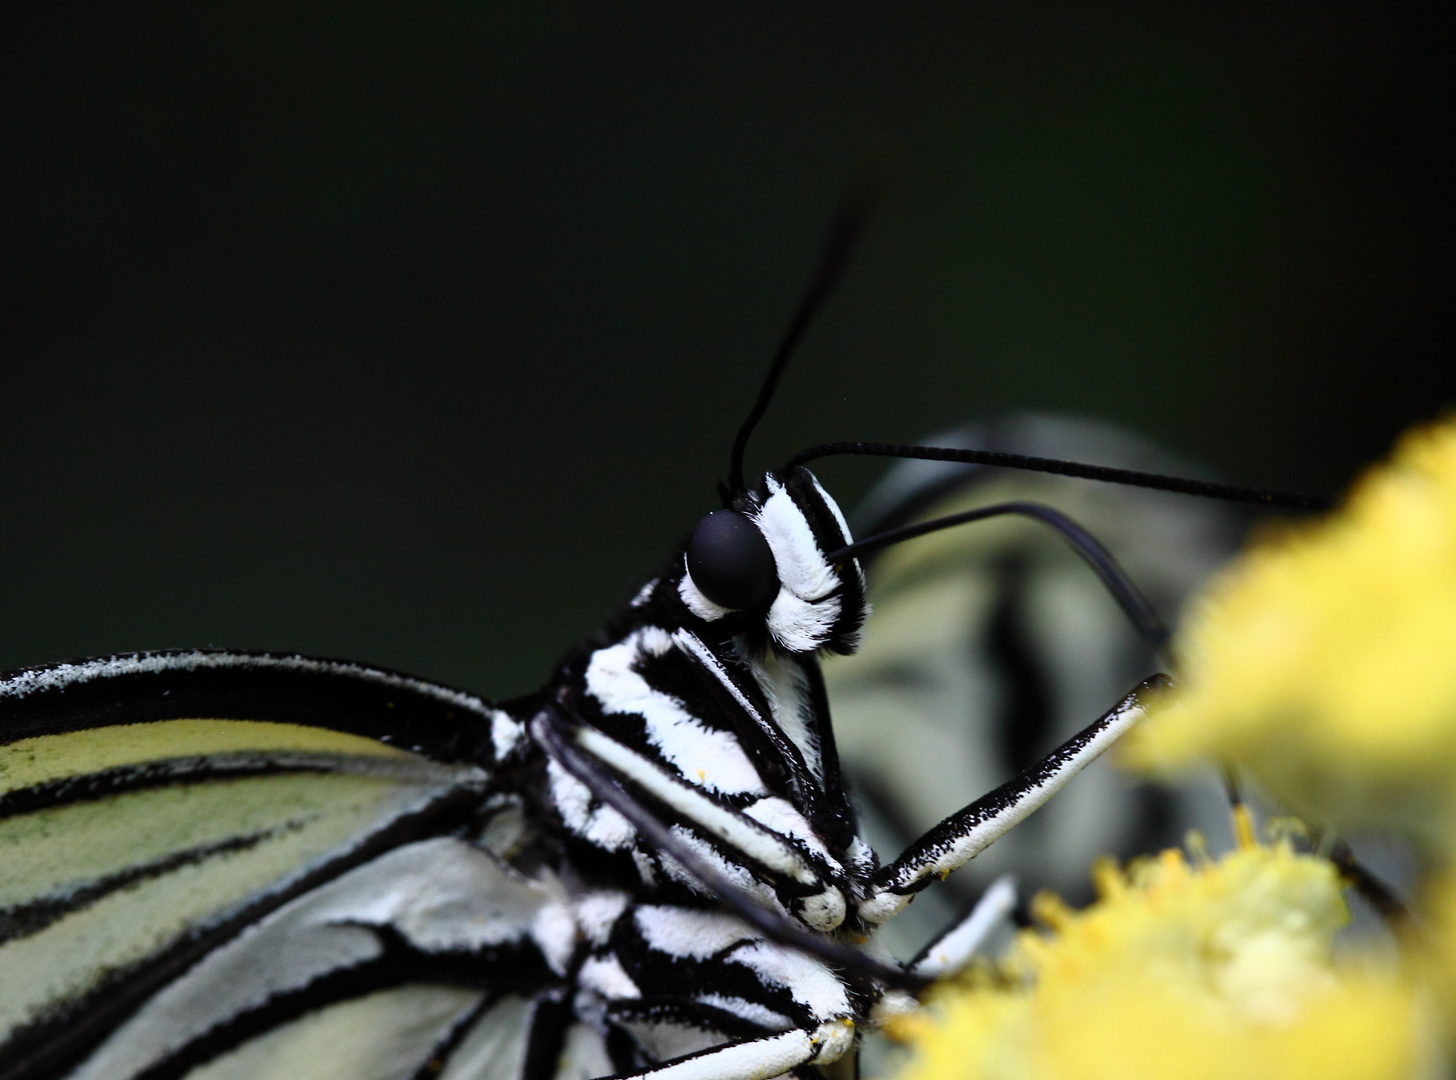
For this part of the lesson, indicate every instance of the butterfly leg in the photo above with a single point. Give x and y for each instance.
(589, 757)
(757, 1059)
(960, 837)
(953, 948)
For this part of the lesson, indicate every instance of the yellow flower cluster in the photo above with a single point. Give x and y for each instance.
(1324, 662)
(1182, 972)
(1325, 659)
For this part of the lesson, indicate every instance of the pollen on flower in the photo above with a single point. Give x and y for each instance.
(1322, 659)
(1178, 970)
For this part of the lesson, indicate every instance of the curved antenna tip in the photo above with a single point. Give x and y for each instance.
(858, 202)
(1208, 489)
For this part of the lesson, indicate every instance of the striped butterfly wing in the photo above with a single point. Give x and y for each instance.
(247, 865)
(992, 642)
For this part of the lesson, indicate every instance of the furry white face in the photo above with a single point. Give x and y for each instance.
(768, 558)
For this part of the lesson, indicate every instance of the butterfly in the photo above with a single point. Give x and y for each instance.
(222, 864)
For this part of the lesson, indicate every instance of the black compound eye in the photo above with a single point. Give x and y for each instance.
(730, 561)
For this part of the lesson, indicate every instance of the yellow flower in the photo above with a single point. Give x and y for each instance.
(1325, 659)
(1179, 971)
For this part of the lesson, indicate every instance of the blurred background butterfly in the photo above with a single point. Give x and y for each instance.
(989, 642)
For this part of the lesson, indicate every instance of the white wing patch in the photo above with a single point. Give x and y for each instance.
(605, 976)
(597, 912)
(601, 825)
(505, 733)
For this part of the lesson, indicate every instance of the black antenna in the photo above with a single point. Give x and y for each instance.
(1206, 488)
(1133, 603)
(856, 205)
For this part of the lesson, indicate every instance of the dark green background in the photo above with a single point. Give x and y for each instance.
(418, 334)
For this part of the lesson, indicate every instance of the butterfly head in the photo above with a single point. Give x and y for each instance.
(765, 560)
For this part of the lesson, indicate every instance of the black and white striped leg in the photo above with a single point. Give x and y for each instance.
(966, 833)
(757, 1059)
(954, 948)
(582, 752)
